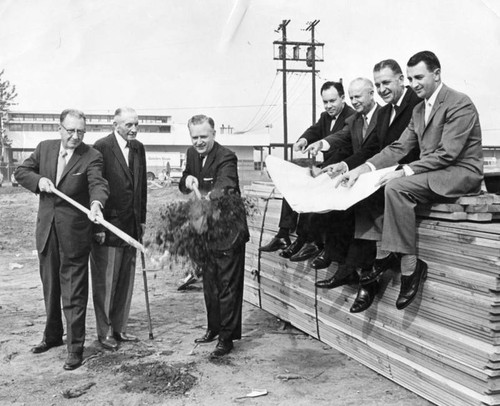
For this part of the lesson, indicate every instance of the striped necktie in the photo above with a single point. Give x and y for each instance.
(61, 164)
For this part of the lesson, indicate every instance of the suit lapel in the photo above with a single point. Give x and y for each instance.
(53, 158)
(209, 160)
(371, 125)
(437, 105)
(115, 148)
(77, 154)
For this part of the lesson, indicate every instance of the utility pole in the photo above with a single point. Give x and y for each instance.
(311, 58)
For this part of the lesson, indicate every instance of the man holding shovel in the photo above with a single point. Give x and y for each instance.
(212, 170)
(63, 232)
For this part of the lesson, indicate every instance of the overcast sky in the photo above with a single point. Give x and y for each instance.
(183, 57)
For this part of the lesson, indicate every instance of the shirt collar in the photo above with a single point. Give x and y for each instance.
(401, 98)
(69, 152)
(369, 115)
(431, 100)
(121, 142)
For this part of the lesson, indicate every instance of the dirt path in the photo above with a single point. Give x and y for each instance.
(292, 367)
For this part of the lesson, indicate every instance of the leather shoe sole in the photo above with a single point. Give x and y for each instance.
(364, 299)
(277, 243)
(379, 267)
(308, 251)
(108, 343)
(410, 285)
(222, 348)
(292, 249)
(44, 346)
(125, 337)
(335, 282)
(207, 338)
(73, 361)
(321, 261)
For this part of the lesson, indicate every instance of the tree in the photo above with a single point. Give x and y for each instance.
(7, 95)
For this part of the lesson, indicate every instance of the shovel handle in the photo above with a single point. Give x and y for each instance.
(196, 191)
(115, 230)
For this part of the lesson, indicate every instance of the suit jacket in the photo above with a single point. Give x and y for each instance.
(351, 136)
(450, 145)
(81, 180)
(386, 134)
(218, 175)
(126, 206)
(322, 129)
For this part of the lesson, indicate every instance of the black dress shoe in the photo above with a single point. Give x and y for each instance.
(379, 267)
(364, 298)
(108, 343)
(293, 248)
(321, 261)
(208, 337)
(277, 243)
(45, 346)
(335, 281)
(124, 337)
(410, 285)
(73, 361)
(309, 250)
(223, 347)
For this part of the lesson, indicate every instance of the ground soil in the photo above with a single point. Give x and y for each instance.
(272, 356)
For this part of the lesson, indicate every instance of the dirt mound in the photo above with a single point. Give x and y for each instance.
(159, 378)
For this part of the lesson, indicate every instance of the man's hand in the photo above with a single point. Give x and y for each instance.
(300, 145)
(390, 176)
(348, 179)
(314, 148)
(95, 211)
(100, 237)
(335, 170)
(191, 182)
(45, 185)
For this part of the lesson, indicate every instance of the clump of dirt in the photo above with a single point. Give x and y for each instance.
(159, 378)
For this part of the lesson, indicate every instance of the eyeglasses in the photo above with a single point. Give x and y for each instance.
(73, 131)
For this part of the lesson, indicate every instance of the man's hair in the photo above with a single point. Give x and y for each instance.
(200, 119)
(73, 113)
(388, 63)
(120, 110)
(337, 85)
(427, 57)
(366, 82)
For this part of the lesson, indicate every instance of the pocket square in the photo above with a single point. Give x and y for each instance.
(77, 174)
(208, 179)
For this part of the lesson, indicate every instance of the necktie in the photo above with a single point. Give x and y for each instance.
(201, 158)
(428, 109)
(394, 111)
(61, 164)
(333, 123)
(130, 156)
(365, 126)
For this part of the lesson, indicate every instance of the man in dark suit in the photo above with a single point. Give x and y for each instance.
(112, 261)
(358, 133)
(330, 121)
(63, 232)
(212, 169)
(445, 127)
(363, 256)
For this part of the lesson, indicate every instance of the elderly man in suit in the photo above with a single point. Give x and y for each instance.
(363, 255)
(212, 169)
(112, 260)
(445, 127)
(63, 232)
(330, 121)
(358, 133)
